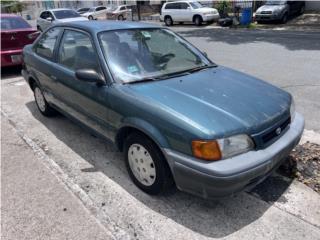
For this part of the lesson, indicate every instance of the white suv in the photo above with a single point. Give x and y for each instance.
(187, 11)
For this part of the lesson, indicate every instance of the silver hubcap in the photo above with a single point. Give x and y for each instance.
(141, 164)
(40, 99)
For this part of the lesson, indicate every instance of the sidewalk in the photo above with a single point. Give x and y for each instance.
(34, 203)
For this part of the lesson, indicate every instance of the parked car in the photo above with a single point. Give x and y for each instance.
(15, 34)
(279, 10)
(59, 15)
(178, 117)
(187, 11)
(82, 10)
(118, 12)
(95, 13)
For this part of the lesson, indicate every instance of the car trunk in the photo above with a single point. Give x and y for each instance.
(17, 38)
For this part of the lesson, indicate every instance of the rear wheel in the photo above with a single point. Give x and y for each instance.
(90, 17)
(120, 18)
(168, 21)
(146, 165)
(197, 20)
(41, 102)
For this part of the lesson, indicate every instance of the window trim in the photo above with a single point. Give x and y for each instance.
(92, 43)
(53, 59)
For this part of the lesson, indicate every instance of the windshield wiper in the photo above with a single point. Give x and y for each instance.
(148, 79)
(196, 69)
(172, 75)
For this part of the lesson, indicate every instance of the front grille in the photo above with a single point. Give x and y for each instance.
(267, 137)
(272, 134)
(266, 12)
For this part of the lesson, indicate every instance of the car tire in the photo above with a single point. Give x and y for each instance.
(39, 28)
(120, 18)
(284, 18)
(168, 21)
(41, 103)
(198, 20)
(90, 17)
(146, 165)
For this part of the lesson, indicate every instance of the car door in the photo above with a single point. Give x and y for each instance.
(101, 12)
(42, 66)
(85, 101)
(47, 23)
(173, 10)
(42, 20)
(185, 12)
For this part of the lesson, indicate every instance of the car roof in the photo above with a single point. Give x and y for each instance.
(107, 25)
(9, 15)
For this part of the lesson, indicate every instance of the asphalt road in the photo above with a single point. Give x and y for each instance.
(289, 60)
(95, 173)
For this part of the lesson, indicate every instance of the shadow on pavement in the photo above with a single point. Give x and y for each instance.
(289, 39)
(10, 72)
(209, 218)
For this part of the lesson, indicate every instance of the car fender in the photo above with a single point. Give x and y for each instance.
(147, 128)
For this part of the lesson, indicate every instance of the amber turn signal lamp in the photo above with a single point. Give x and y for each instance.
(206, 150)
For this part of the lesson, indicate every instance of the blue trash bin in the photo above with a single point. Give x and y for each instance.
(245, 16)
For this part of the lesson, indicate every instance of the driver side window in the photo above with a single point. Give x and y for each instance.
(77, 52)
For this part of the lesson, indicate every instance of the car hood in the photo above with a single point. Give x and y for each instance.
(270, 8)
(218, 101)
(71, 19)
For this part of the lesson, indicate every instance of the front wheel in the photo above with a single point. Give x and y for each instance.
(42, 104)
(146, 165)
(198, 20)
(120, 18)
(168, 21)
(90, 17)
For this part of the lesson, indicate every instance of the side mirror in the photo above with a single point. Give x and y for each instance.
(90, 75)
(49, 19)
(188, 8)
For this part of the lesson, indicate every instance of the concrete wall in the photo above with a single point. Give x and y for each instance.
(313, 5)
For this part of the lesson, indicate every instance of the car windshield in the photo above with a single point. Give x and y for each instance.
(8, 23)
(195, 5)
(61, 14)
(275, 2)
(135, 55)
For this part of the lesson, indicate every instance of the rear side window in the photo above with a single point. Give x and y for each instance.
(8, 23)
(76, 51)
(44, 15)
(173, 6)
(45, 46)
(184, 5)
(100, 8)
(123, 8)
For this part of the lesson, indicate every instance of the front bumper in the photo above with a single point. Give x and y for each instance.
(6, 59)
(226, 177)
(210, 17)
(267, 17)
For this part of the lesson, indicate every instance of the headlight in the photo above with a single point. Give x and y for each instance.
(292, 109)
(222, 148)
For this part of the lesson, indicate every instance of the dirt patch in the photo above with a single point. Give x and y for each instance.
(304, 165)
